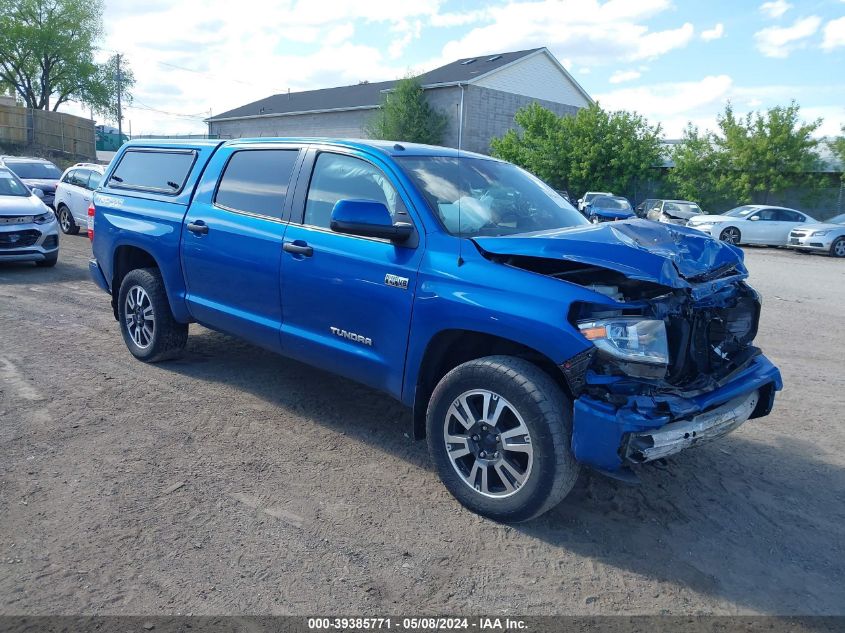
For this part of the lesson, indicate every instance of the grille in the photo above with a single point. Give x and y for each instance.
(713, 342)
(18, 239)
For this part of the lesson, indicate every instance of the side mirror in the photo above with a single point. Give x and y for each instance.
(38, 193)
(580, 200)
(368, 218)
(754, 218)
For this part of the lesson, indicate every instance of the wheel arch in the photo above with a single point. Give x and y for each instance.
(449, 348)
(127, 258)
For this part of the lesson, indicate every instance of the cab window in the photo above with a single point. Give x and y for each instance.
(256, 181)
(339, 177)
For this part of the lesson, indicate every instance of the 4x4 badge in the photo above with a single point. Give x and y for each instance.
(396, 281)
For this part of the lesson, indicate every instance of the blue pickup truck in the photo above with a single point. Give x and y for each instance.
(527, 341)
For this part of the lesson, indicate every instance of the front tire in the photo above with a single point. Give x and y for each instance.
(731, 235)
(499, 433)
(66, 222)
(146, 322)
(837, 249)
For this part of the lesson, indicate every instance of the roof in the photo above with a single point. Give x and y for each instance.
(20, 159)
(369, 95)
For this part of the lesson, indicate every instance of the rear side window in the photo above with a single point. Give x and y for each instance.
(256, 181)
(151, 170)
(79, 177)
(94, 180)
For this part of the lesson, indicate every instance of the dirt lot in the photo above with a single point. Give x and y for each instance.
(234, 481)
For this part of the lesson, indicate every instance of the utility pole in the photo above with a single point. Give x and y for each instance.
(119, 109)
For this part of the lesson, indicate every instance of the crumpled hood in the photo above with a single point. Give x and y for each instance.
(19, 205)
(710, 219)
(660, 253)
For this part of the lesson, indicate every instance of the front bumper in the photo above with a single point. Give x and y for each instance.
(28, 242)
(608, 436)
(820, 243)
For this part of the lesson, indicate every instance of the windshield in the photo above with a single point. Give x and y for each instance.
(615, 204)
(837, 219)
(11, 186)
(740, 212)
(39, 171)
(473, 196)
(688, 207)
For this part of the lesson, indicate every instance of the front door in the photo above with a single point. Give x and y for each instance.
(232, 242)
(347, 300)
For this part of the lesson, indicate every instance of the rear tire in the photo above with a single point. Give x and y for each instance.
(515, 410)
(837, 249)
(146, 322)
(66, 222)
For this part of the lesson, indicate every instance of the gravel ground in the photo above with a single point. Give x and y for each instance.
(237, 482)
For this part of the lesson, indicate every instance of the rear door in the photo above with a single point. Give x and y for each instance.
(347, 299)
(787, 220)
(232, 241)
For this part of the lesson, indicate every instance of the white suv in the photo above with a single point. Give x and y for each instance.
(74, 195)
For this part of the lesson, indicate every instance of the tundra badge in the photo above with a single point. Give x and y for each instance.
(363, 340)
(396, 281)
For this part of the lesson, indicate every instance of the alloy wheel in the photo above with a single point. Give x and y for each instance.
(839, 248)
(139, 317)
(488, 443)
(64, 219)
(730, 236)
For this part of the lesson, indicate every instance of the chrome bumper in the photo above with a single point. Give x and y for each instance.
(674, 437)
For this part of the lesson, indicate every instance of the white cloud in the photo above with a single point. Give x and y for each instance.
(775, 9)
(667, 100)
(776, 41)
(713, 34)
(621, 76)
(834, 34)
(588, 32)
(457, 19)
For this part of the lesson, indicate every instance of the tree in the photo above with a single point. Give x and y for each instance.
(750, 159)
(47, 53)
(837, 146)
(406, 115)
(594, 149)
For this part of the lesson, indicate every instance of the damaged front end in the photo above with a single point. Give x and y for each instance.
(672, 326)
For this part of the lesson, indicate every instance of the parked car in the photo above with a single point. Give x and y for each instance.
(608, 209)
(643, 207)
(28, 229)
(75, 194)
(673, 211)
(752, 224)
(588, 198)
(825, 237)
(35, 173)
(526, 341)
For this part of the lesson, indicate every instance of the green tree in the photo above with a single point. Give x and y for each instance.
(837, 146)
(406, 115)
(749, 159)
(47, 53)
(594, 149)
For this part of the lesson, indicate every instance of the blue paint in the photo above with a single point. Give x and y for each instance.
(238, 279)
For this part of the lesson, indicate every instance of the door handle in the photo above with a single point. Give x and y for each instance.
(298, 248)
(198, 228)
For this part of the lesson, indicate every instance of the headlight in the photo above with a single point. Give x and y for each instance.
(820, 233)
(631, 340)
(44, 218)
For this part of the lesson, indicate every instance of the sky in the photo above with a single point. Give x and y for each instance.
(673, 61)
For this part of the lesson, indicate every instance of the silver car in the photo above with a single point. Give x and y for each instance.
(752, 224)
(673, 211)
(826, 237)
(28, 229)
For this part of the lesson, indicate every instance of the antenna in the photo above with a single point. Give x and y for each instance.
(460, 183)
